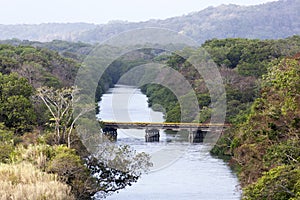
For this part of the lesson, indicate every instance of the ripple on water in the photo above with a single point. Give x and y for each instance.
(193, 175)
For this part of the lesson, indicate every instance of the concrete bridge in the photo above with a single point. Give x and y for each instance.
(197, 131)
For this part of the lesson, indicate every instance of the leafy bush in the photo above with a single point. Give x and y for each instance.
(6, 144)
(59, 160)
(282, 183)
(71, 170)
(5, 152)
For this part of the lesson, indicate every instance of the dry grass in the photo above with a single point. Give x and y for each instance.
(24, 181)
(35, 154)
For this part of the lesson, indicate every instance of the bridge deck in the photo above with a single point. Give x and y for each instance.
(163, 125)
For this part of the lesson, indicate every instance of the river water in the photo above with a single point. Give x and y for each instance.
(181, 170)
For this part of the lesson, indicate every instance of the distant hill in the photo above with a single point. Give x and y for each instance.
(273, 20)
(45, 32)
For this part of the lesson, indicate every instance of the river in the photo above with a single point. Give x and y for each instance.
(181, 170)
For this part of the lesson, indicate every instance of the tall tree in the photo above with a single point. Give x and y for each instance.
(59, 103)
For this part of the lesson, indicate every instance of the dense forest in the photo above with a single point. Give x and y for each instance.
(264, 148)
(242, 63)
(261, 78)
(38, 130)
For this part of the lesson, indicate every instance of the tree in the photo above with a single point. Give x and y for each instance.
(116, 167)
(59, 103)
(86, 174)
(16, 108)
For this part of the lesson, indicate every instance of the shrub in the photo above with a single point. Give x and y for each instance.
(282, 182)
(5, 151)
(71, 170)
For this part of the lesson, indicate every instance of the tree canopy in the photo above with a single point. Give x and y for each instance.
(266, 146)
(16, 108)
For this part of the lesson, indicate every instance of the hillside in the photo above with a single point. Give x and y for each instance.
(39, 66)
(261, 78)
(37, 129)
(265, 147)
(274, 20)
(242, 63)
(44, 32)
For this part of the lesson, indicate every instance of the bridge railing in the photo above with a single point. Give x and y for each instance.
(162, 124)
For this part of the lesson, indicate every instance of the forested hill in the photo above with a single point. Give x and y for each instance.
(264, 148)
(273, 20)
(45, 32)
(277, 19)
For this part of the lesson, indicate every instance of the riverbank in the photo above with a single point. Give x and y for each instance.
(265, 147)
(191, 173)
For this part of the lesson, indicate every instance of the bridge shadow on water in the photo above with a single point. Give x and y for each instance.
(155, 135)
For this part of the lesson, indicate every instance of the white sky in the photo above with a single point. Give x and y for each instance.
(102, 11)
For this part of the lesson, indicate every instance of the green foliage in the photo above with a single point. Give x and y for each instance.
(282, 183)
(284, 153)
(71, 170)
(266, 145)
(16, 108)
(5, 152)
(226, 52)
(38, 66)
(240, 90)
(267, 135)
(6, 143)
(175, 61)
(6, 136)
(250, 57)
(122, 65)
(117, 167)
(205, 114)
(242, 63)
(62, 161)
(221, 149)
(158, 95)
(86, 175)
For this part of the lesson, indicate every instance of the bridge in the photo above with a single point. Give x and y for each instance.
(161, 125)
(197, 131)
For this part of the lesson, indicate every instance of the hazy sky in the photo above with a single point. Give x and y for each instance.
(102, 11)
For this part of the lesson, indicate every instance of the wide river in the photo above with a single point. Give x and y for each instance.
(181, 170)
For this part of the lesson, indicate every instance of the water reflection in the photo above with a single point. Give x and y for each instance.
(182, 170)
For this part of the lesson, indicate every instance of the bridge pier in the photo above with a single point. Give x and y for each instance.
(152, 135)
(110, 133)
(196, 136)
